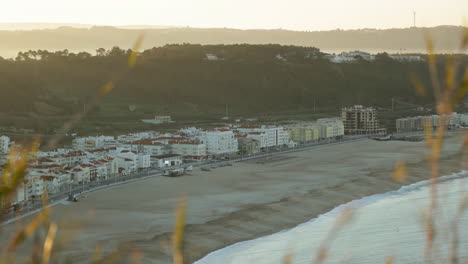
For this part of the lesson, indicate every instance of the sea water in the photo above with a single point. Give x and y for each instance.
(384, 225)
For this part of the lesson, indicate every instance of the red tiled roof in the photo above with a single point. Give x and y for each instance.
(47, 178)
(255, 133)
(170, 138)
(145, 142)
(187, 142)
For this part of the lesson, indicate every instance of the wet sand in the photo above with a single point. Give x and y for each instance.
(242, 202)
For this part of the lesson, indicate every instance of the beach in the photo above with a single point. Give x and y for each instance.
(237, 203)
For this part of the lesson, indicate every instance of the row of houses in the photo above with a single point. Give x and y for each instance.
(326, 128)
(418, 123)
(100, 158)
(60, 170)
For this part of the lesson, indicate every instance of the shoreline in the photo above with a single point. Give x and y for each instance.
(355, 205)
(446, 170)
(243, 202)
(381, 180)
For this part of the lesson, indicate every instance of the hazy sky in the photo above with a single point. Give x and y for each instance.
(286, 14)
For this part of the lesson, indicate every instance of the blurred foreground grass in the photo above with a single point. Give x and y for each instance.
(47, 244)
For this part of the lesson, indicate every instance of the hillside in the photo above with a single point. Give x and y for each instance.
(178, 80)
(406, 40)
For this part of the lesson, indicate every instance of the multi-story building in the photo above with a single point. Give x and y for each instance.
(192, 149)
(261, 137)
(248, 145)
(360, 120)
(275, 135)
(219, 141)
(4, 144)
(330, 128)
(168, 160)
(34, 186)
(152, 147)
(188, 148)
(418, 123)
(304, 133)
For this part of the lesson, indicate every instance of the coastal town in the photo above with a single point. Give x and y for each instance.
(99, 159)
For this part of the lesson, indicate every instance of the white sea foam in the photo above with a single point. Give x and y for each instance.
(386, 224)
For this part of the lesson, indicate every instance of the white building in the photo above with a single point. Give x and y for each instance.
(81, 174)
(4, 145)
(219, 141)
(20, 195)
(34, 186)
(142, 160)
(261, 137)
(330, 128)
(211, 57)
(190, 149)
(275, 135)
(169, 160)
(159, 119)
(418, 123)
(149, 146)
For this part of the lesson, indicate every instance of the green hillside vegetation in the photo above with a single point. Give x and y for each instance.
(179, 80)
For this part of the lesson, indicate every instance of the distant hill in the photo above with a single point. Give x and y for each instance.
(87, 38)
(41, 26)
(42, 90)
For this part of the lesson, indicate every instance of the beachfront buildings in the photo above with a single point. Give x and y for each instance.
(324, 128)
(304, 133)
(331, 128)
(261, 137)
(248, 145)
(219, 141)
(168, 160)
(418, 123)
(96, 159)
(4, 144)
(269, 136)
(360, 120)
(190, 149)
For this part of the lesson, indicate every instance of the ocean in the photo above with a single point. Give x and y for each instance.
(383, 225)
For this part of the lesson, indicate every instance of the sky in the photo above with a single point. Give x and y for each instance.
(243, 14)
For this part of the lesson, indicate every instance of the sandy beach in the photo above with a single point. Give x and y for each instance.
(237, 203)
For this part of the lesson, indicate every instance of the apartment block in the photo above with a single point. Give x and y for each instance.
(360, 120)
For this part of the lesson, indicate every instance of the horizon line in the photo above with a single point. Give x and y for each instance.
(59, 25)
